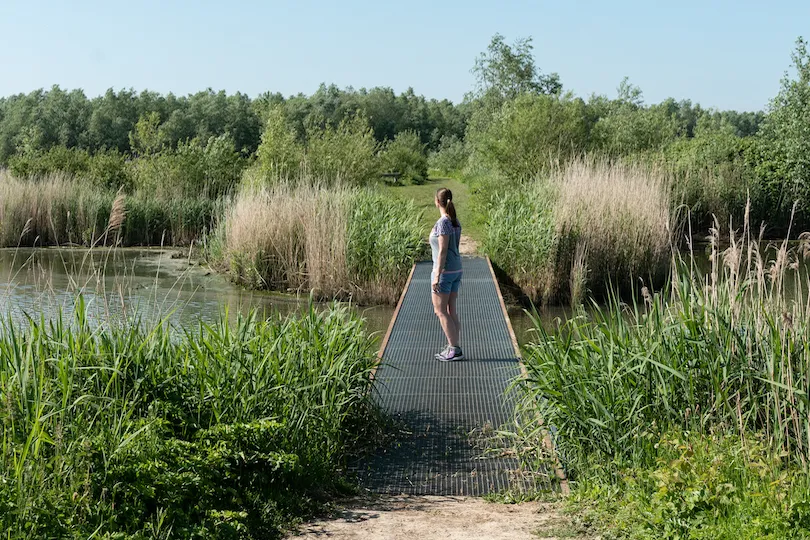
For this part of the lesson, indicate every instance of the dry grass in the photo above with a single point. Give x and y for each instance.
(287, 236)
(337, 242)
(54, 210)
(590, 221)
(619, 215)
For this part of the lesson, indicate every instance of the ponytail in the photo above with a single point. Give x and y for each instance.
(445, 198)
(451, 211)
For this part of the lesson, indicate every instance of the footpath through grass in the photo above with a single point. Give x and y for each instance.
(424, 194)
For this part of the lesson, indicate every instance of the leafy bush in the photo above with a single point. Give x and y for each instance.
(782, 157)
(529, 134)
(346, 153)
(451, 156)
(104, 169)
(280, 154)
(406, 155)
(702, 486)
(712, 177)
(192, 170)
(228, 431)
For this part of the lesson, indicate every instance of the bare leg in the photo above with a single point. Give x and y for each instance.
(453, 313)
(448, 325)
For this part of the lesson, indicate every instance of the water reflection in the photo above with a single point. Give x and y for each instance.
(122, 285)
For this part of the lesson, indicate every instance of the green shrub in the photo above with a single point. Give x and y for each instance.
(105, 168)
(784, 152)
(279, 154)
(346, 153)
(406, 155)
(451, 156)
(192, 170)
(702, 486)
(227, 431)
(528, 135)
(711, 176)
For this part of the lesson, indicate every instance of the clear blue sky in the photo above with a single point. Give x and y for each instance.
(720, 53)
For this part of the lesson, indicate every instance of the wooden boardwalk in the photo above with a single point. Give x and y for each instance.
(445, 411)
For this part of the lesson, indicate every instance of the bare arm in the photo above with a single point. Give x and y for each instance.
(444, 242)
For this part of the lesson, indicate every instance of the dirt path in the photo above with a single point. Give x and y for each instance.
(467, 246)
(440, 518)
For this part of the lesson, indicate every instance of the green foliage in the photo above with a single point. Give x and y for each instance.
(627, 126)
(712, 177)
(521, 236)
(144, 139)
(783, 156)
(504, 72)
(280, 154)
(451, 156)
(191, 170)
(406, 155)
(528, 135)
(702, 486)
(228, 431)
(344, 154)
(384, 238)
(104, 169)
(695, 357)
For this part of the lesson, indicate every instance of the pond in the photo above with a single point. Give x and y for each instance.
(125, 284)
(147, 283)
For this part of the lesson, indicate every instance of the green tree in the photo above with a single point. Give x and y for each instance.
(507, 71)
(783, 150)
(145, 139)
(406, 155)
(527, 135)
(280, 154)
(346, 153)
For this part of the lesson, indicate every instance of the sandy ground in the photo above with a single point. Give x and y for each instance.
(439, 518)
(467, 246)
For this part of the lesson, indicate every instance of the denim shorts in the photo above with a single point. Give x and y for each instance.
(448, 283)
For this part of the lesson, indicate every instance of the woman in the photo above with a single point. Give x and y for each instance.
(446, 277)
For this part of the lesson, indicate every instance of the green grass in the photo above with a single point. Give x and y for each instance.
(224, 431)
(684, 414)
(423, 196)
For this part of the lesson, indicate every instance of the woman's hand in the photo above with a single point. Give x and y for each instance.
(435, 286)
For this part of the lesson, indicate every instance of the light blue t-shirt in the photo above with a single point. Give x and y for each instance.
(453, 260)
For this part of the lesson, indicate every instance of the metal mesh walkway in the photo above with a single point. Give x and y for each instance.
(439, 405)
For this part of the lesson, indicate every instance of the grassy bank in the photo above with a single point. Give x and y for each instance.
(227, 431)
(423, 195)
(58, 209)
(587, 222)
(340, 242)
(685, 414)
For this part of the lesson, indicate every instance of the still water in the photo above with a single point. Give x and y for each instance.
(123, 285)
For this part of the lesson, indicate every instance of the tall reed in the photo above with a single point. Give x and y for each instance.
(340, 242)
(221, 431)
(723, 350)
(589, 221)
(60, 210)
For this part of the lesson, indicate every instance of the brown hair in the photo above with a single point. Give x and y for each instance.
(445, 198)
